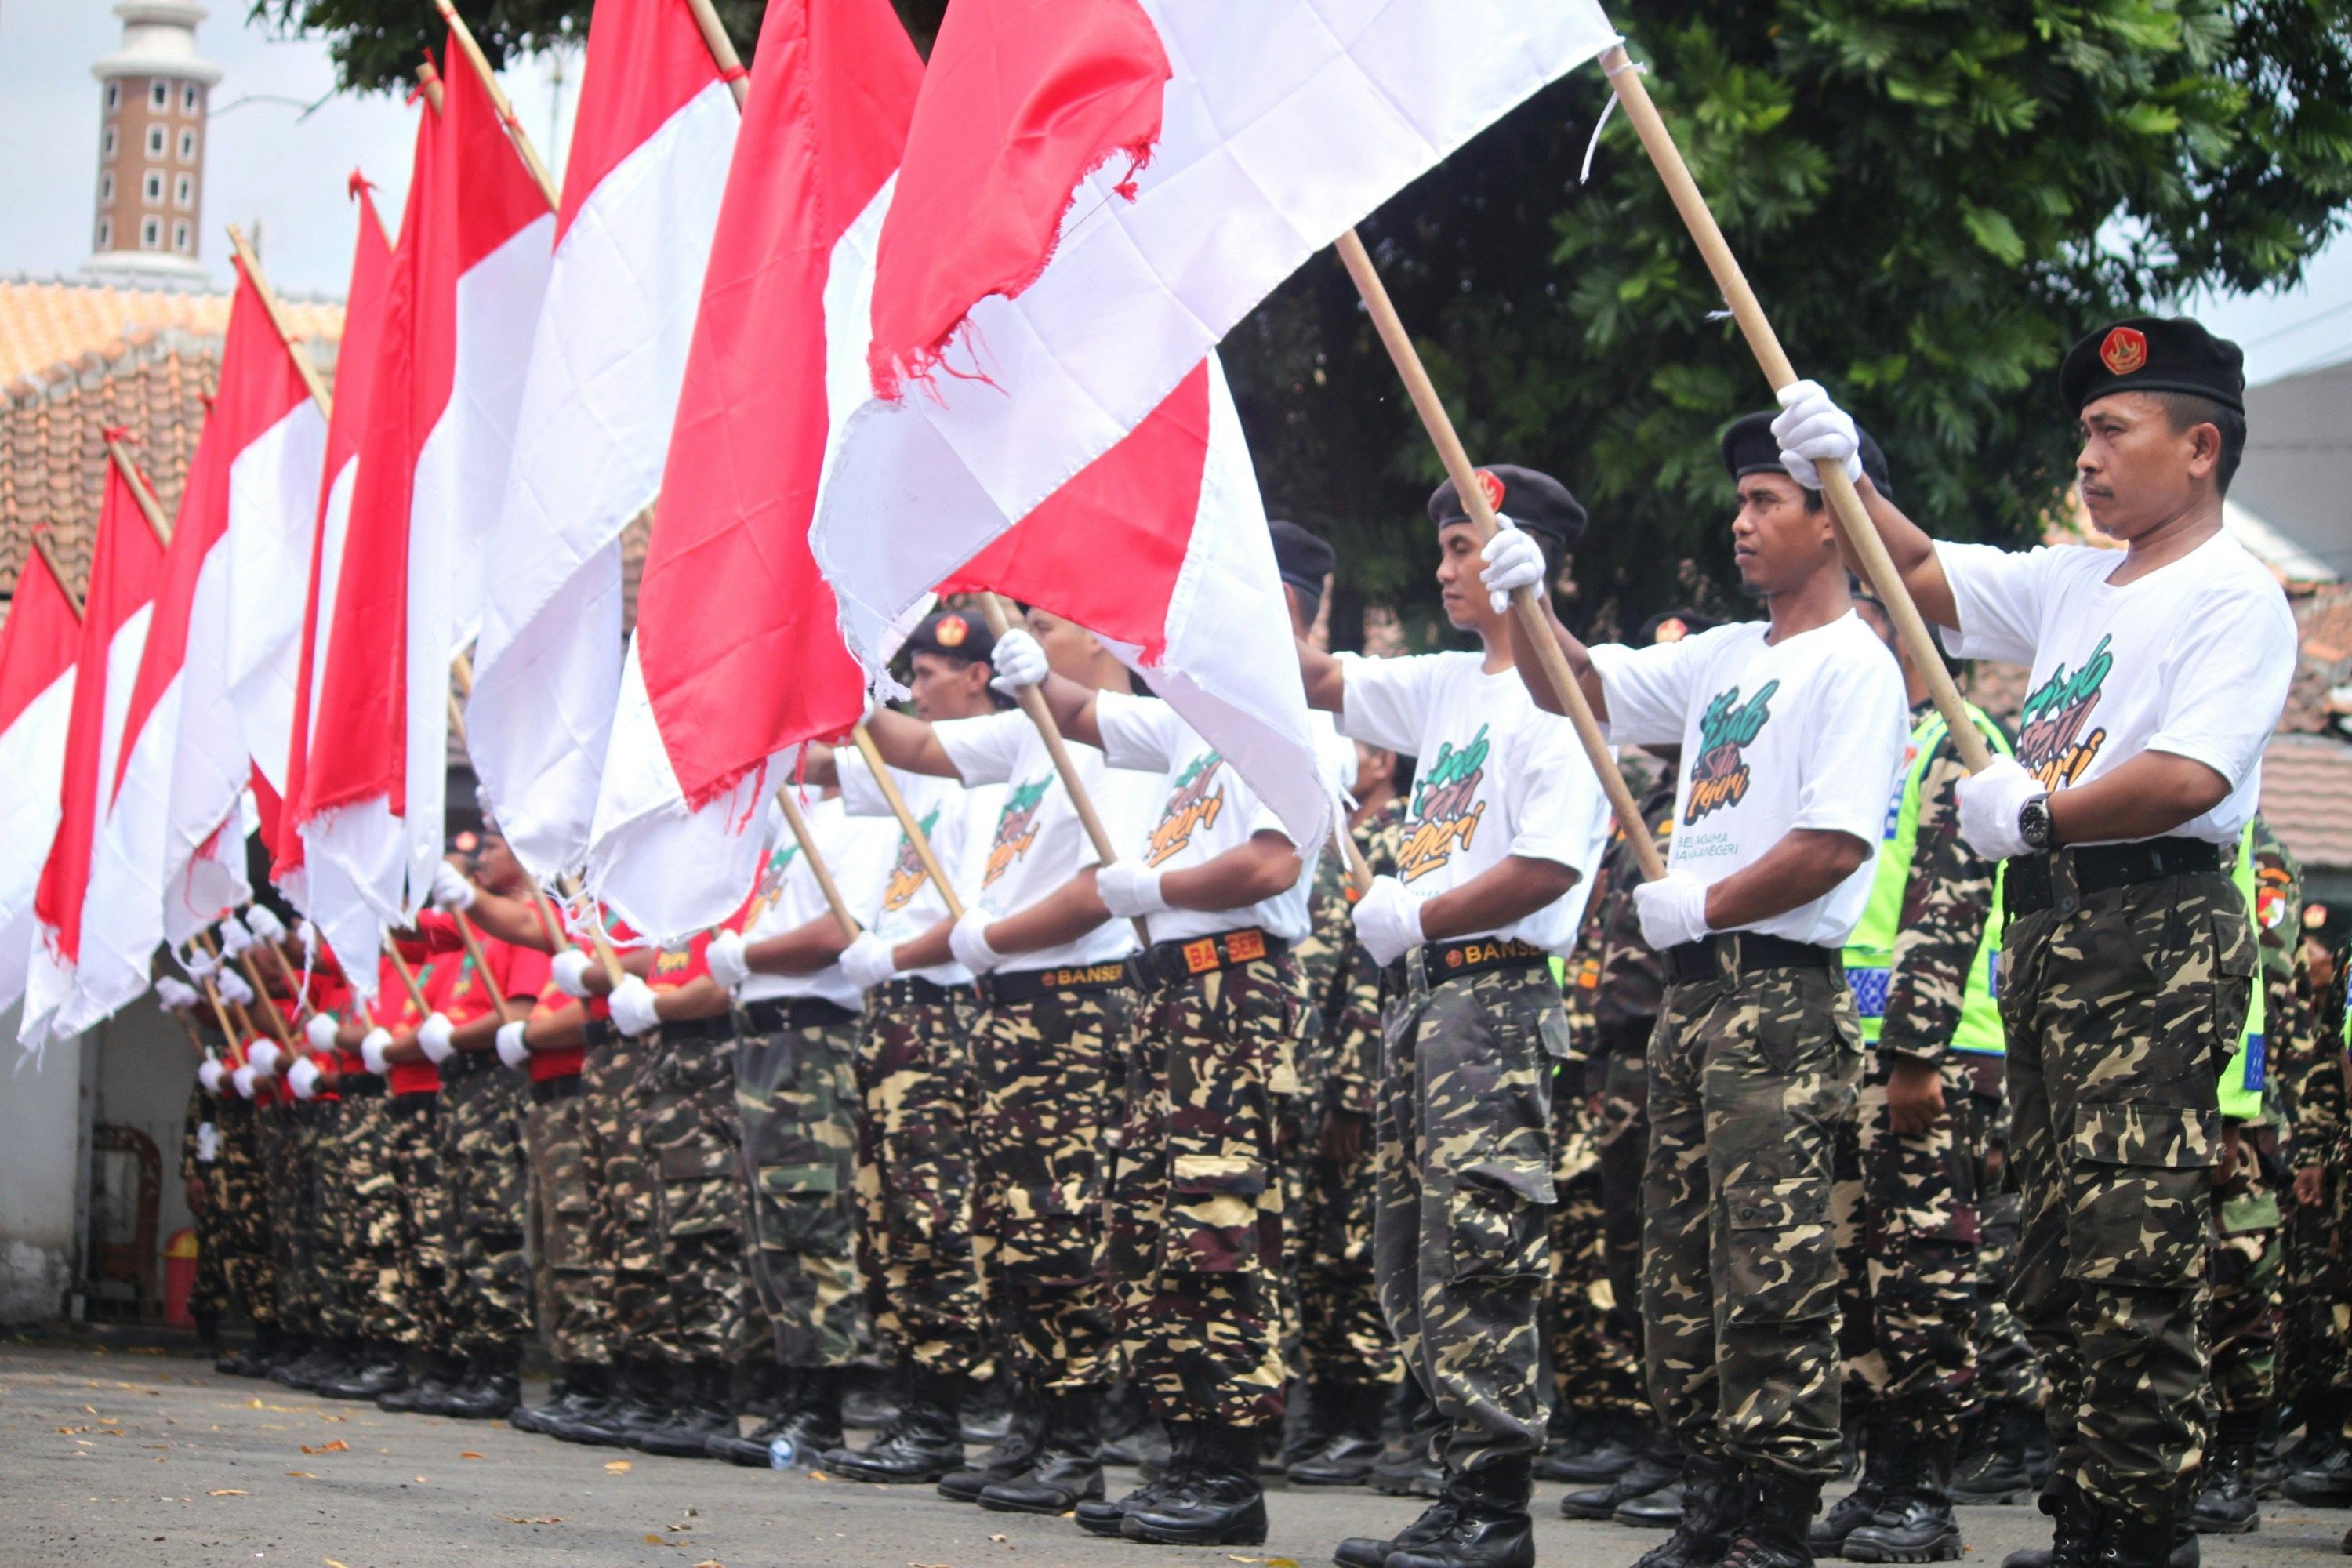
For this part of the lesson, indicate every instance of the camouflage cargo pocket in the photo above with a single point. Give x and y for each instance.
(1212, 1226)
(1499, 1221)
(2140, 1193)
(1780, 1256)
(2236, 961)
(803, 1208)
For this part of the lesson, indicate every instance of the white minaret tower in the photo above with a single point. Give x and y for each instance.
(150, 149)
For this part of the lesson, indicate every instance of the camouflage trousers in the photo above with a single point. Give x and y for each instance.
(562, 1205)
(2316, 1332)
(2007, 1371)
(1041, 1069)
(1462, 1245)
(2120, 1008)
(286, 1177)
(208, 1297)
(1194, 1230)
(487, 1182)
(239, 1213)
(336, 1305)
(1904, 1208)
(796, 1093)
(914, 1181)
(421, 1238)
(1625, 1143)
(621, 1228)
(678, 1288)
(376, 1237)
(1596, 1359)
(2243, 1309)
(1343, 1336)
(1749, 1076)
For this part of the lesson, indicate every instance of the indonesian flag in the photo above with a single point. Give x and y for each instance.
(734, 657)
(126, 571)
(463, 291)
(362, 332)
(656, 125)
(36, 682)
(1094, 192)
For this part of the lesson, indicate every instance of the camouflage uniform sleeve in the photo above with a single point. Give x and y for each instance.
(1945, 907)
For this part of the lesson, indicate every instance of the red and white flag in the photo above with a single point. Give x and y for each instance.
(464, 292)
(1094, 192)
(126, 571)
(36, 680)
(362, 330)
(731, 663)
(641, 193)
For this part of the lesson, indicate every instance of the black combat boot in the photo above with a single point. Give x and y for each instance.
(1098, 1517)
(2269, 1470)
(1353, 1447)
(705, 1408)
(1012, 1455)
(1996, 1469)
(922, 1444)
(1778, 1529)
(1715, 1501)
(379, 1370)
(577, 1383)
(1372, 1550)
(255, 1359)
(2076, 1526)
(2226, 1502)
(1887, 1453)
(1068, 1466)
(1489, 1527)
(1617, 1438)
(807, 1425)
(436, 1377)
(300, 1369)
(494, 1389)
(2327, 1483)
(1660, 1464)
(1217, 1501)
(2130, 1542)
(1314, 1412)
(1409, 1432)
(641, 1396)
(1914, 1522)
(2322, 1416)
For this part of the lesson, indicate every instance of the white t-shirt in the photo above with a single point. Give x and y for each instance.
(2194, 658)
(951, 817)
(1804, 734)
(1037, 842)
(1483, 749)
(858, 851)
(1206, 809)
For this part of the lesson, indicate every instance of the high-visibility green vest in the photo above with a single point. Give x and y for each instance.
(2242, 1081)
(1870, 951)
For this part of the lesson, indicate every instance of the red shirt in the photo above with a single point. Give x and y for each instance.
(394, 1010)
(567, 1062)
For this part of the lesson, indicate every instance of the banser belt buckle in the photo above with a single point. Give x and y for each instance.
(1201, 954)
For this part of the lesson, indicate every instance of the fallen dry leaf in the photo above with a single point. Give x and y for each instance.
(302, 1475)
(551, 1518)
(225, 1492)
(819, 1476)
(655, 1541)
(996, 1538)
(616, 1465)
(70, 1431)
(710, 1562)
(331, 1563)
(337, 1447)
(469, 1454)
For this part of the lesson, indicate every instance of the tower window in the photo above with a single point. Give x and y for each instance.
(155, 142)
(187, 146)
(151, 233)
(151, 190)
(105, 190)
(183, 191)
(113, 96)
(159, 94)
(106, 234)
(181, 235)
(187, 101)
(110, 142)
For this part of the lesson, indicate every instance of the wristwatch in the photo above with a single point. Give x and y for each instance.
(2034, 824)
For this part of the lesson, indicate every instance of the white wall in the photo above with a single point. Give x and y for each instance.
(43, 1111)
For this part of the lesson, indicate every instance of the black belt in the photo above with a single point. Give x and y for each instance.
(1065, 980)
(722, 1028)
(356, 1085)
(417, 1101)
(465, 1064)
(796, 1013)
(1168, 962)
(2030, 882)
(1445, 961)
(1750, 950)
(546, 1090)
(914, 991)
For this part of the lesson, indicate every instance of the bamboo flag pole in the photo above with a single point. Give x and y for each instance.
(481, 966)
(262, 1004)
(907, 823)
(304, 1011)
(148, 505)
(799, 825)
(722, 49)
(49, 553)
(515, 132)
(605, 957)
(244, 1024)
(276, 313)
(1526, 603)
(408, 978)
(1845, 502)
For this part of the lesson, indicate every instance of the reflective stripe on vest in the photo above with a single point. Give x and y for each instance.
(2242, 1082)
(1870, 951)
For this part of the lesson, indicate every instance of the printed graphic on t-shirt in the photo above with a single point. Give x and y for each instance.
(1191, 806)
(1016, 827)
(2054, 741)
(906, 875)
(1721, 777)
(1446, 809)
(671, 966)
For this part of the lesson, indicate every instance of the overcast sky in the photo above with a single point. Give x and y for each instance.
(271, 163)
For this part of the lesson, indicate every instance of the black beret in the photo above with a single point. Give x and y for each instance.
(1672, 626)
(1537, 502)
(952, 633)
(2153, 353)
(1303, 559)
(1750, 447)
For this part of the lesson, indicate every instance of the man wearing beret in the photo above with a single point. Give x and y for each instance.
(2126, 962)
(1504, 828)
(1791, 733)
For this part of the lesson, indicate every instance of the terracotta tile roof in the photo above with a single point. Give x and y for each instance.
(46, 325)
(2307, 797)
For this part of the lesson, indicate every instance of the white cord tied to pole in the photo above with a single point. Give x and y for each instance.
(1601, 124)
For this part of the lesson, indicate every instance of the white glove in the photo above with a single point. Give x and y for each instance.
(308, 935)
(1672, 910)
(371, 1051)
(175, 993)
(1388, 921)
(1989, 802)
(866, 961)
(262, 922)
(233, 987)
(451, 890)
(725, 956)
(208, 1073)
(234, 938)
(302, 1078)
(1514, 561)
(242, 1081)
(570, 971)
(1129, 887)
(320, 1032)
(511, 1050)
(967, 939)
(1812, 429)
(1019, 662)
(633, 1007)
(434, 1035)
(201, 965)
(265, 1055)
